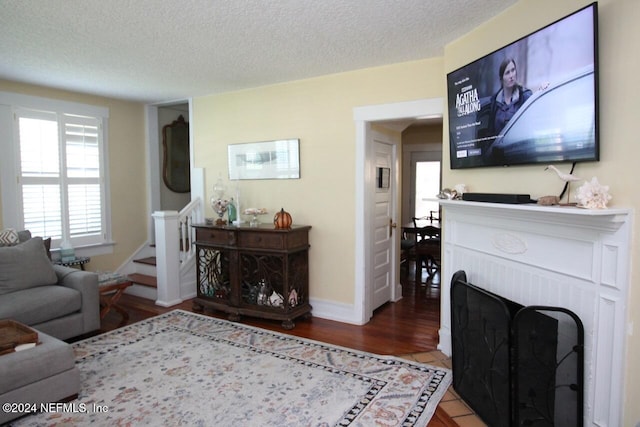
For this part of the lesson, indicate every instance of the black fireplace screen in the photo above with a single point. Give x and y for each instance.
(515, 365)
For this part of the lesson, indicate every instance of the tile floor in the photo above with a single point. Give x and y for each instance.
(451, 403)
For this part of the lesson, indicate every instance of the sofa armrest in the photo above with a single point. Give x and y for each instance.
(86, 283)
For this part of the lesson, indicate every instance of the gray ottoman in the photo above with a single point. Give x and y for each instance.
(43, 374)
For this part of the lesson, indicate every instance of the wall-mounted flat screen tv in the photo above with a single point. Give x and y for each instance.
(533, 101)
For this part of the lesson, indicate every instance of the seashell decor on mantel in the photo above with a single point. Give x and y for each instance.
(593, 195)
(452, 193)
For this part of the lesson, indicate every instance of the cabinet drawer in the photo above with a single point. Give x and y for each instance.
(218, 237)
(261, 240)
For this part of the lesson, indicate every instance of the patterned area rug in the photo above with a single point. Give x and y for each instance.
(182, 368)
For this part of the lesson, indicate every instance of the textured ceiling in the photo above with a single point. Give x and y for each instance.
(159, 50)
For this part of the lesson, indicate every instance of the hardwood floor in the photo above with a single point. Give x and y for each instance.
(405, 327)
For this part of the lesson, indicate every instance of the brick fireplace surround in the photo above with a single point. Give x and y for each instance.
(557, 256)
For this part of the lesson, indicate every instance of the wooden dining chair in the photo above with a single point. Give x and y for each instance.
(416, 220)
(406, 248)
(408, 242)
(427, 252)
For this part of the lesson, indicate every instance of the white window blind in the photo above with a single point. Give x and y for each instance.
(60, 176)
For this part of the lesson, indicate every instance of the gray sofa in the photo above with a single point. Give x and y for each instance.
(60, 301)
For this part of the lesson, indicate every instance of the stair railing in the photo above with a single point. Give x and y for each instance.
(175, 245)
(189, 215)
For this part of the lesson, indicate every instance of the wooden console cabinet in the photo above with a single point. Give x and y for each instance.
(253, 271)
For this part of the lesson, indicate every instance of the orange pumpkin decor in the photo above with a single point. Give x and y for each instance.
(282, 220)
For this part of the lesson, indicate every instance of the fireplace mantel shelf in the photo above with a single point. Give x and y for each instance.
(605, 219)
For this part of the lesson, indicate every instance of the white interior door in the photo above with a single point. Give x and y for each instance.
(383, 223)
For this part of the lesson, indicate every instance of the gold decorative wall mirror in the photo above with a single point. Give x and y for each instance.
(175, 166)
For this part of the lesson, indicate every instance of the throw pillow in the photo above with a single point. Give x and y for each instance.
(25, 266)
(9, 237)
(47, 247)
(24, 235)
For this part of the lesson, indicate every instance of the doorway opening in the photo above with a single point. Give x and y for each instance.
(399, 114)
(160, 196)
(422, 164)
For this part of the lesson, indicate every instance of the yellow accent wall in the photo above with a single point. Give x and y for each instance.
(127, 169)
(619, 151)
(319, 112)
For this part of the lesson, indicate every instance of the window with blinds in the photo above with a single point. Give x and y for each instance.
(60, 176)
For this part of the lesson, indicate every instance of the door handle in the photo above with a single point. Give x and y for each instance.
(392, 225)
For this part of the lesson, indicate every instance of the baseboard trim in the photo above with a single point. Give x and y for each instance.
(330, 310)
(168, 303)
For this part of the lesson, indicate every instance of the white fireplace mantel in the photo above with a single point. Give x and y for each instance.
(566, 257)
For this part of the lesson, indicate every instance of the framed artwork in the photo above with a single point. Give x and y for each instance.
(279, 159)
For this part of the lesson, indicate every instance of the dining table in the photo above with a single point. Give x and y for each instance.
(420, 227)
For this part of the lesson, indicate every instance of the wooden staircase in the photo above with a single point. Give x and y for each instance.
(174, 279)
(145, 279)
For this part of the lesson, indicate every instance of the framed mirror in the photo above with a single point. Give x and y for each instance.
(175, 165)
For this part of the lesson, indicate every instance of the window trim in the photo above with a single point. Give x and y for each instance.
(11, 102)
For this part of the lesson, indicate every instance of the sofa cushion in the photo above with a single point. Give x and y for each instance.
(25, 266)
(40, 304)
